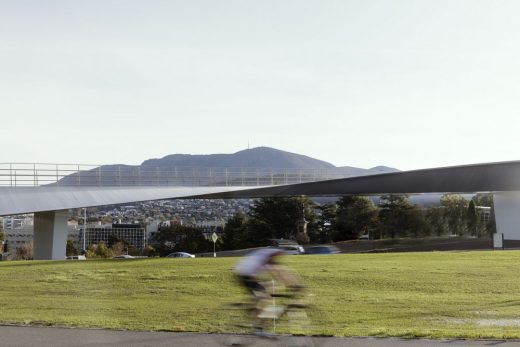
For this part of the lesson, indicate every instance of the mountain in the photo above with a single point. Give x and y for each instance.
(269, 165)
(259, 157)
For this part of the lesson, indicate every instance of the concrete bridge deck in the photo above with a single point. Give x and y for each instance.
(50, 202)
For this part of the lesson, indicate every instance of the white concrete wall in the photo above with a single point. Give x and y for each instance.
(507, 214)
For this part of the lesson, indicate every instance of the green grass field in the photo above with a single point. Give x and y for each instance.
(437, 294)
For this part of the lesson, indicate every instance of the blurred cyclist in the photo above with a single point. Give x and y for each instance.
(257, 263)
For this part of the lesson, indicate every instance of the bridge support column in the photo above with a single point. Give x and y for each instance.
(507, 214)
(50, 235)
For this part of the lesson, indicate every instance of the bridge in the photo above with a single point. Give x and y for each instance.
(49, 190)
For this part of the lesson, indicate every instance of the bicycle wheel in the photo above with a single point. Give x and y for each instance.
(298, 324)
(239, 330)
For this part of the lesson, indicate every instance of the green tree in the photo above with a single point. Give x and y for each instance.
(99, 251)
(355, 215)
(71, 249)
(278, 218)
(435, 221)
(416, 222)
(103, 251)
(483, 199)
(455, 211)
(181, 238)
(399, 217)
(91, 252)
(149, 251)
(235, 234)
(191, 240)
(472, 219)
(323, 232)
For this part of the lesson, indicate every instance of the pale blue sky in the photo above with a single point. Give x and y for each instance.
(408, 84)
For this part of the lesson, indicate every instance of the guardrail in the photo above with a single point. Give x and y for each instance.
(43, 174)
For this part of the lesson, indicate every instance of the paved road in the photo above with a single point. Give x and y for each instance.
(15, 336)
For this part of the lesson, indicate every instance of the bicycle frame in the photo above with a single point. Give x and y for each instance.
(288, 315)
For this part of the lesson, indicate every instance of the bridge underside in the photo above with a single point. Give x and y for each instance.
(49, 203)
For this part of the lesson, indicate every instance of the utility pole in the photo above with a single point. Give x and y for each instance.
(85, 230)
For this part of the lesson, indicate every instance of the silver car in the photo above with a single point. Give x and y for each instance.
(292, 249)
(180, 255)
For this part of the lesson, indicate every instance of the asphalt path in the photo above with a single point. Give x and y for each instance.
(21, 336)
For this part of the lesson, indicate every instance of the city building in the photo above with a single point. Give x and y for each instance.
(133, 234)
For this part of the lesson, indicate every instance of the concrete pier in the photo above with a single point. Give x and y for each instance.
(507, 214)
(50, 235)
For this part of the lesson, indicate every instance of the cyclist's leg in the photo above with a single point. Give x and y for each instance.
(260, 315)
(258, 296)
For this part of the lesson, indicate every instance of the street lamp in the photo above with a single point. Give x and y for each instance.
(85, 230)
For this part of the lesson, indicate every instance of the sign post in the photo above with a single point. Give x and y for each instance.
(498, 241)
(214, 237)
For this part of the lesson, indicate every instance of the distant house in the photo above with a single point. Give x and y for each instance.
(484, 212)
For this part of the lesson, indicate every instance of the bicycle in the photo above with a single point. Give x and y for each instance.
(284, 322)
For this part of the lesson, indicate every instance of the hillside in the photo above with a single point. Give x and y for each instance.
(260, 159)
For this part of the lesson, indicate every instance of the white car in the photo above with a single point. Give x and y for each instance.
(180, 255)
(123, 256)
(292, 249)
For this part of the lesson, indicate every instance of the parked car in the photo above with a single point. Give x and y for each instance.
(292, 249)
(322, 249)
(288, 246)
(76, 257)
(123, 256)
(180, 255)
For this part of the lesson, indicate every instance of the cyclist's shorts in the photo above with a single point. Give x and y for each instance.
(252, 284)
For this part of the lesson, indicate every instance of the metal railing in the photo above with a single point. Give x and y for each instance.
(43, 174)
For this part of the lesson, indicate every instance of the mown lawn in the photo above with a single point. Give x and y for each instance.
(437, 294)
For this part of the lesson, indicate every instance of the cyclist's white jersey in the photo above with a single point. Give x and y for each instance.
(254, 262)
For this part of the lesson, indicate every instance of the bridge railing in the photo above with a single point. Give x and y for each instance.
(43, 174)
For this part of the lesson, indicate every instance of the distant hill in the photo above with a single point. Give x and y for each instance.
(259, 159)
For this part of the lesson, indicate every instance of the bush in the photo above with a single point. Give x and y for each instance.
(24, 252)
(149, 251)
(71, 249)
(99, 251)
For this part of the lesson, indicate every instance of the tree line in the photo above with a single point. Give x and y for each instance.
(350, 217)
